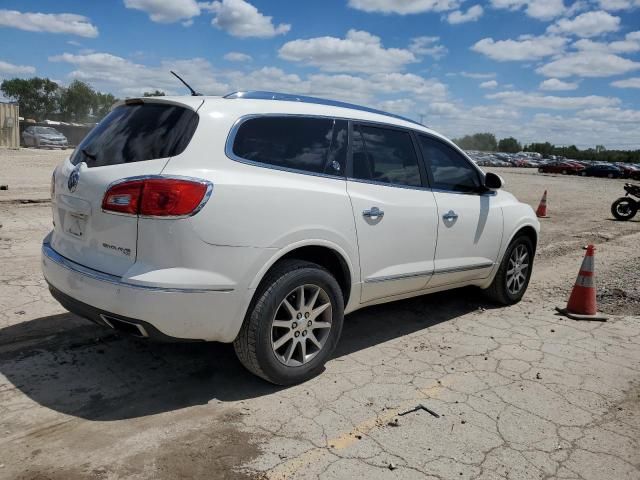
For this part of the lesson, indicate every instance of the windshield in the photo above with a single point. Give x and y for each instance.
(49, 130)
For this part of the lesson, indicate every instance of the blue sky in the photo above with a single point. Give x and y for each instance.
(567, 71)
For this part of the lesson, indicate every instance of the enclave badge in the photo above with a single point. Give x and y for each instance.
(74, 178)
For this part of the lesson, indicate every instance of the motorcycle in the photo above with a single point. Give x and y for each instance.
(625, 208)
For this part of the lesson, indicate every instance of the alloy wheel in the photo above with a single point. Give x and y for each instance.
(301, 325)
(517, 270)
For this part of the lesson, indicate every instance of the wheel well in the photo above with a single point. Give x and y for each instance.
(531, 233)
(327, 258)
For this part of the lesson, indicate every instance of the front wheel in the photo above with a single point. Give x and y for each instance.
(514, 273)
(624, 208)
(293, 324)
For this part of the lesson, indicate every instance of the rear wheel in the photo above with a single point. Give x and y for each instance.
(584, 174)
(624, 208)
(512, 279)
(293, 324)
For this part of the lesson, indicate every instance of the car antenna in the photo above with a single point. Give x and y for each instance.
(193, 92)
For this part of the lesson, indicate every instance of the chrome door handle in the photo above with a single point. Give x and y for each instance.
(373, 212)
(450, 215)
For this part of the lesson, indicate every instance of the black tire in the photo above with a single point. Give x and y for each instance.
(253, 343)
(584, 174)
(624, 208)
(564, 172)
(498, 291)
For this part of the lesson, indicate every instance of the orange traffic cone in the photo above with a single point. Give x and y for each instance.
(582, 302)
(541, 212)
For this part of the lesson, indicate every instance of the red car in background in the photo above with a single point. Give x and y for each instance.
(565, 168)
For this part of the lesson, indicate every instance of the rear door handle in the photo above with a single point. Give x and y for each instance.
(450, 215)
(374, 212)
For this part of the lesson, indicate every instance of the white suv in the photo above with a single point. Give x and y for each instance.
(261, 219)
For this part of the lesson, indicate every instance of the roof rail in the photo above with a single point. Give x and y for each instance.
(262, 95)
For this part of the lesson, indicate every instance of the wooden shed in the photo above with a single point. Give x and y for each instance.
(9, 125)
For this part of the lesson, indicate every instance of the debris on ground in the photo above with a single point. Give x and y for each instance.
(420, 407)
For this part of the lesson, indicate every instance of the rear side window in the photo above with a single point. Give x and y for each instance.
(384, 155)
(134, 133)
(316, 145)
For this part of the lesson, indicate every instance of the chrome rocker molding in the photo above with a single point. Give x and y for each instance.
(55, 257)
(441, 271)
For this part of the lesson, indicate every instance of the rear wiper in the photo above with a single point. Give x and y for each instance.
(87, 154)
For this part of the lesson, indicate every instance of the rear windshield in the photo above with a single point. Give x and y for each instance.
(134, 133)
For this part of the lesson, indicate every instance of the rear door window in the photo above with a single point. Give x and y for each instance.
(316, 145)
(138, 132)
(384, 155)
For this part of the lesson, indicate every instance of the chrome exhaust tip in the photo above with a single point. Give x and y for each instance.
(123, 326)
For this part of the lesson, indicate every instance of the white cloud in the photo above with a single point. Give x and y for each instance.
(618, 4)
(359, 51)
(627, 83)
(429, 46)
(539, 9)
(589, 24)
(630, 44)
(471, 15)
(489, 84)
(241, 19)
(7, 68)
(526, 47)
(557, 85)
(535, 100)
(478, 76)
(108, 72)
(166, 11)
(612, 114)
(588, 64)
(404, 7)
(237, 57)
(68, 23)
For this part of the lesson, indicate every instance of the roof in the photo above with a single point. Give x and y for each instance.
(263, 95)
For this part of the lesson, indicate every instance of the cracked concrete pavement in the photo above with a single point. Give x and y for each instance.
(522, 393)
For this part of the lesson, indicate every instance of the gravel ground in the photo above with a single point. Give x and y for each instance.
(522, 393)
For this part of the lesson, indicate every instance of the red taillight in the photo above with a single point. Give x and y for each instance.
(155, 197)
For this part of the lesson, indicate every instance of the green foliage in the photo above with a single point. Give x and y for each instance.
(102, 103)
(37, 97)
(76, 101)
(478, 141)
(509, 145)
(155, 93)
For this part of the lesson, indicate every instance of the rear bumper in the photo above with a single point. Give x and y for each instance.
(163, 313)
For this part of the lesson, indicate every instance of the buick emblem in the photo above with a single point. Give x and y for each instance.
(74, 178)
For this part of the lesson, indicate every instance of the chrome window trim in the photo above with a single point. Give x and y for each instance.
(200, 206)
(64, 262)
(441, 271)
(265, 95)
(231, 138)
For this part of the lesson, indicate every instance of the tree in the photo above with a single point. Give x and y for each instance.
(156, 93)
(509, 145)
(76, 101)
(478, 141)
(102, 103)
(600, 148)
(37, 97)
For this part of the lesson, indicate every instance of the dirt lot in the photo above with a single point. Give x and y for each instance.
(521, 392)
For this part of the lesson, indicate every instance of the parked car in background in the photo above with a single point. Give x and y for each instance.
(629, 170)
(565, 168)
(602, 170)
(44, 137)
(262, 218)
